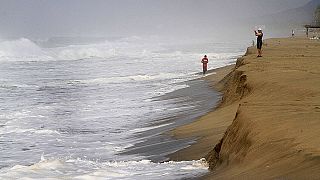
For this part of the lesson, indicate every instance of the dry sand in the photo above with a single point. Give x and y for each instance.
(268, 121)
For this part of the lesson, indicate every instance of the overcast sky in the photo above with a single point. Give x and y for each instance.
(47, 18)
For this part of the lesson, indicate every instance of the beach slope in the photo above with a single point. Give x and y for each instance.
(267, 125)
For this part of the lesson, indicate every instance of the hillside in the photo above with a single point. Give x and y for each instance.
(281, 24)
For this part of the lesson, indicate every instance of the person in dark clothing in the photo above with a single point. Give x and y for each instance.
(292, 33)
(205, 64)
(259, 35)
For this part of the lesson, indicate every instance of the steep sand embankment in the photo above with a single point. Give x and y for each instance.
(273, 106)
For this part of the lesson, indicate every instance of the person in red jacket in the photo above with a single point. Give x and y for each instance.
(205, 64)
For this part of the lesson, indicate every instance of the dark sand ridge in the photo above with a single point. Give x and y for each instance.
(267, 125)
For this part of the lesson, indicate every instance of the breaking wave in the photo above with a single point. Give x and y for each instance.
(26, 50)
(22, 49)
(86, 169)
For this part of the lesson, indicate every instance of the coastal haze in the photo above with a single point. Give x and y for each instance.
(92, 89)
(182, 19)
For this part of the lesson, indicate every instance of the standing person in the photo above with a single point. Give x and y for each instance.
(259, 35)
(205, 64)
(292, 33)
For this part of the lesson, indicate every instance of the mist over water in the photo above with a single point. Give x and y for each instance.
(81, 81)
(212, 20)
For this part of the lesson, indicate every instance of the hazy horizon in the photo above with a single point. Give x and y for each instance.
(97, 18)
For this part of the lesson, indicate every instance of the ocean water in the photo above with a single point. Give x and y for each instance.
(73, 108)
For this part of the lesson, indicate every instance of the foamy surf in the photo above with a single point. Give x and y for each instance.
(137, 130)
(133, 78)
(86, 169)
(100, 110)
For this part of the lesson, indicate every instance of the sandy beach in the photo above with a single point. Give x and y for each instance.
(267, 123)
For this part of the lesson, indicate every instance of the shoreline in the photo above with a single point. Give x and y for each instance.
(189, 103)
(193, 131)
(266, 125)
(158, 144)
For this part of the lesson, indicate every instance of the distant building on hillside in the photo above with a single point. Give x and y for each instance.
(315, 25)
(317, 16)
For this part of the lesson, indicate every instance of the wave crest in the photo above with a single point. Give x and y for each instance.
(85, 169)
(21, 49)
(24, 49)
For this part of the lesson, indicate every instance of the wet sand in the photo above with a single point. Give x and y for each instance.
(267, 124)
(190, 103)
(202, 130)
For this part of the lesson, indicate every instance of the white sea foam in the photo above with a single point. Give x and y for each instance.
(6, 85)
(90, 103)
(21, 50)
(45, 131)
(26, 50)
(17, 130)
(86, 169)
(168, 89)
(75, 52)
(127, 79)
(137, 130)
